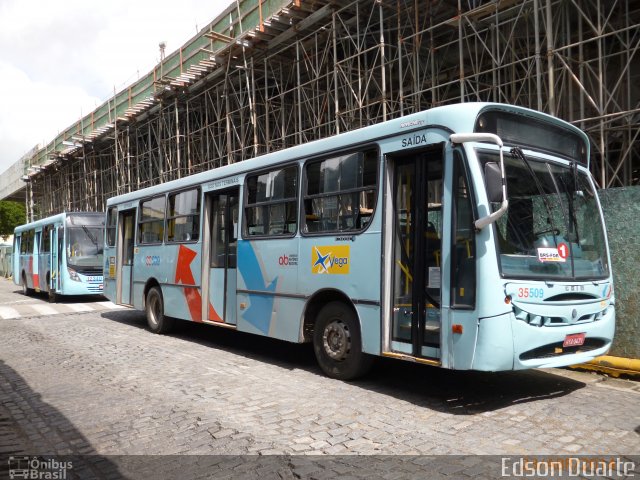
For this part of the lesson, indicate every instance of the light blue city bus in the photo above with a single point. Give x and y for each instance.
(467, 236)
(60, 255)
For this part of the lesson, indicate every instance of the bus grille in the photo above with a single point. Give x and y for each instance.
(545, 321)
(85, 270)
(557, 350)
(95, 288)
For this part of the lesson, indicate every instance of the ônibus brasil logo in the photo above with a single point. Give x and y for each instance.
(331, 260)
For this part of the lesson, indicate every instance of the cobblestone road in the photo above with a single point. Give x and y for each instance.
(97, 382)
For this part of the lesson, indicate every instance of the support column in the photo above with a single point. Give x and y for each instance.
(382, 65)
(460, 56)
(550, 66)
(536, 27)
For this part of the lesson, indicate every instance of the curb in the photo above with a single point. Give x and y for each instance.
(614, 366)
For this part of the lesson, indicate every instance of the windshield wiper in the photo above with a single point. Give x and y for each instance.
(572, 208)
(91, 236)
(517, 152)
(572, 223)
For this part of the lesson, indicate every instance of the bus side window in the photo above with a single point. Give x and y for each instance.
(23, 243)
(112, 220)
(46, 239)
(271, 206)
(183, 217)
(463, 278)
(26, 242)
(233, 232)
(340, 192)
(151, 222)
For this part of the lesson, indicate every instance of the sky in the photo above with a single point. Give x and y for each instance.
(59, 60)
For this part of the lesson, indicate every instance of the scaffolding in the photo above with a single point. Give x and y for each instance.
(267, 75)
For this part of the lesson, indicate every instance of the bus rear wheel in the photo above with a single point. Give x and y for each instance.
(26, 290)
(337, 343)
(154, 306)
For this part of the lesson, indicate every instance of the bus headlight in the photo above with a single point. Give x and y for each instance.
(73, 275)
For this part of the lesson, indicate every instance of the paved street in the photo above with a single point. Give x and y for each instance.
(36, 307)
(76, 380)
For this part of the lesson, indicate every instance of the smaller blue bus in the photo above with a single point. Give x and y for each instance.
(60, 255)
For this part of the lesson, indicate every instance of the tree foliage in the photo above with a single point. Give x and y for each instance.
(12, 214)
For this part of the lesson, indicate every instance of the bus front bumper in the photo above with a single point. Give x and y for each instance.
(506, 343)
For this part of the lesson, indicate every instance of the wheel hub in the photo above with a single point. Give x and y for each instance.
(337, 340)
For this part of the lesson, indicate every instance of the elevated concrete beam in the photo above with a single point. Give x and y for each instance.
(12, 187)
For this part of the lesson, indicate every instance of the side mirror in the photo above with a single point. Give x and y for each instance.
(493, 176)
(493, 182)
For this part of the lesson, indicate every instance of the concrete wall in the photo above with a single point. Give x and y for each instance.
(5, 260)
(622, 216)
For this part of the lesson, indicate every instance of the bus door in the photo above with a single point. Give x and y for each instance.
(416, 222)
(219, 256)
(56, 235)
(15, 258)
(37, 263)
(125, 254)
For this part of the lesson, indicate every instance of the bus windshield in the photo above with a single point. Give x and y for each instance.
(553, 228)
(84, 246)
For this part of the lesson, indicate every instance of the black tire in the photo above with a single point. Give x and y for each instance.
(337, 343)
(154, 306)
(53, 296)
(26, 290)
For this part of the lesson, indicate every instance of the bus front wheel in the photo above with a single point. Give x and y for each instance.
(53, 296)
(337, 343)
(154, 306)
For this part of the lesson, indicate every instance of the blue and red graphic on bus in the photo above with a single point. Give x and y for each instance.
(259, 312)
(184, 275)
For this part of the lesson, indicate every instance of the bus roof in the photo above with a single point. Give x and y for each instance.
(455, 118)
(59, 218)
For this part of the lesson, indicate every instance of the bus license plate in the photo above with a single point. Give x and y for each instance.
(574, 340)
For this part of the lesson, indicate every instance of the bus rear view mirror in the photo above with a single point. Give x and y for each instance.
(492, 185)
(493, 182)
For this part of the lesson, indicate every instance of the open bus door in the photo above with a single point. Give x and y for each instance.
(417, 229)
(15, 258)
(219, 265)
(57, 250)
(125, 254)
(433, 280)
(35, 264)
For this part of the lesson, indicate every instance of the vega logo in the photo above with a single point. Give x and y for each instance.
(332, 260)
